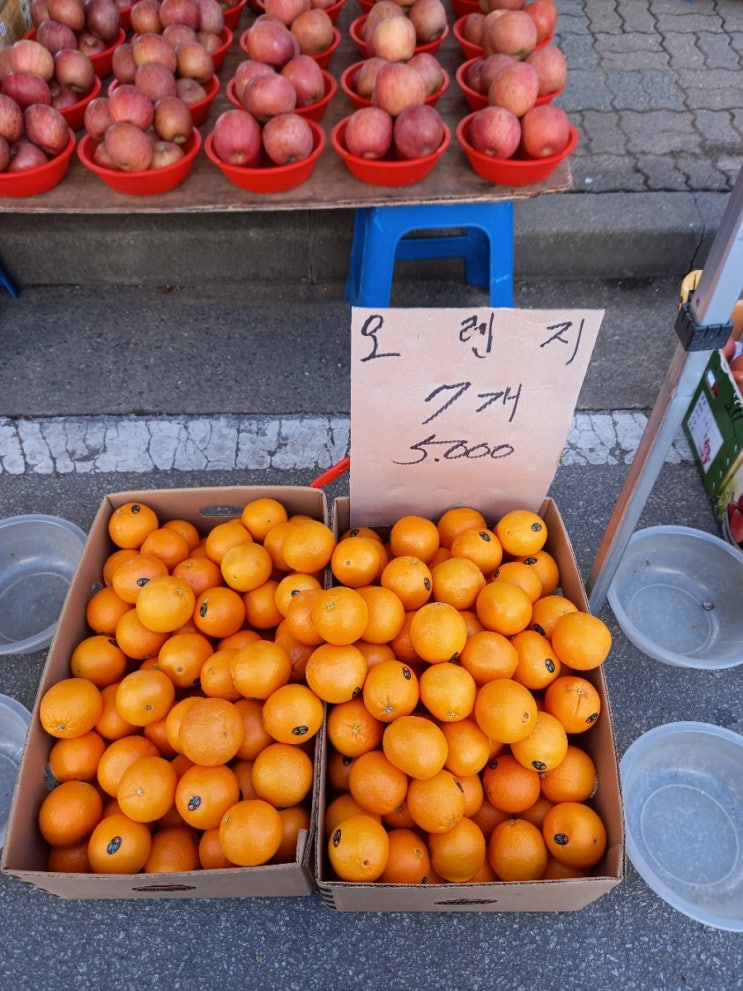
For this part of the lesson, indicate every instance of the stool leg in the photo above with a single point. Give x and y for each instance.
(5, 281)
(353, 280)
(378, 262)
(501, 256)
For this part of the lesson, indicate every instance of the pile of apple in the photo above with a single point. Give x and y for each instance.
(181, 22)
(424, 22)
(30, 73)
(91, 26)
(240, 139)
(30, 137)
(285, 29)
(513, 73)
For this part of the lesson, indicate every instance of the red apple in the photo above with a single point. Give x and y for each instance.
(69, 12)
(102, 159)
(172, 121)
(26, 88)
(393, 39)
(513, 33)
(27, 55)
(145, 16)
(306, 77)
(544, 15)
(194, 61)
(246, 70)
(286, 10)
(430, 69)
(365, 77)
(176, 34)
(63, 97)
(313, 30)
(368, 133)
(287, 138)
(418, 131)
(180, 12)
(552, 68)
(123, 65)
(545, 131)
(429, 20)
(237, 137)
(128, 103)
(155, 81)
(398, 86)
(151, 47)
(471, 27)
(268, 95)
(53, 36)
(165, 153)
(211, 17)
(495, 131)
(515, 87)
(11, 119)
(209, 40)
(380, 10)
(102, 17)
(97, 118)
(472, 75)
(39, 11)
(46, 127)
(190, 91)
(4, 154)
(492, 65)
(128, 146)
(24, 155)
(74, 69)
(270, 41)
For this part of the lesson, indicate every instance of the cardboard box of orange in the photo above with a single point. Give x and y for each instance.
(25, 852)
(420, 446)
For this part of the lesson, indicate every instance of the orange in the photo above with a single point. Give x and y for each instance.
(522, 575)
(535, 813)
(76, 758)
(70, 708)
(468, 748)
(575, 834)
(356, 561)
(447, 691)
(239, 639)
(459, 853)
(410, 579)
(472, 623)
(282, 774)
(457, 581)
(308, 546)
(504, 608)
(358, 848)
(223, 536)
(292, 714)
(336, 672)
(436, 804)
(339, 615)
(113, 561)
(575, 701)
(99, 659)
(130, 523)
(546, 567)
(414, 536)
(203, 795)
(340, 808)
(243, 770)
(376, 783)
(488, 655)
(111, 725)
(262, 514)
(581, 641)
(401, 645)
(375, 652)
(69, 859)
(294, 820)
(390, 690)
(219, 612)
(537, 665)
(260, 668)
(517, 851)
(211, 732)
(408, 859)
(274, 542)
(199, 573)
(135, 639)
(437, 632)
(147, 789)
(299, 619)
(474, 793)
(211, 855)
(144, 696)
(457, 519)
(299, 653)
(246, 566)
(131, 576)
(104, 610)
(521, 532)
(255, 736)
(573, 780)
(481, 546)
(362, 531)
(173, 849)
(118, 845)
(158, 734)
(399, 818)
(165, 604)
(545, 746)
(261, 611)
(118, 756)
(386, 614)
(250, 832)
(559, 872)
(488, 817)
(167, 544)
(182, 657)
(415, 745)
(547, 610)
(186, 529)
(69, 813)
(339, 767)
(216, 675)
(505, 710)
(352, 729)
(290, 585)
(508, 785)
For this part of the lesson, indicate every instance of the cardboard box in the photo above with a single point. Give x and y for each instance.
(15, 21)
(25, 852)
(533, 896)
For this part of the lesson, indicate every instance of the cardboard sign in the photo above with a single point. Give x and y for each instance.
(461, 407)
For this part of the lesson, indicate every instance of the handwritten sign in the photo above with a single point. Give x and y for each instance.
(461, 407)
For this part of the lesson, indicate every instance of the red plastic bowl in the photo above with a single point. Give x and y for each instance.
(232, 15)
(463, 7)
(125, 13)
(219, 53)
(348, 77)
(268, 178)
(200, 110)
(356, 26)
(313, 111)
(515, 171)
(150, 183)
(334, 10)
(32, 182)
(476, 100)
(366, 5)
(75, 114)
(386, 171)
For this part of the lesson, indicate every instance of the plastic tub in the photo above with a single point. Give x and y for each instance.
(682, 785)
(14, 722)
(677, 596)
(38, 557)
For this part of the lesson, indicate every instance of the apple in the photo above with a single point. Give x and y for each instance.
(471, 27)
(102, 159)
(24, 155)
(488, 5)
(27, 55)
(380, 10)
(286, 10)
(151, 47)
(69, 12)
(11, 119)
(398, 86)
(190, 91)
(313, 30)
(155, 80)
(128, 146)
(53, 36)
(165, 153)
(306, 77)
(172, 120)
(39, 11)
(102, 17)
(180, 12)
(369, 132)
(495, 131)
(429, 20)
(97, 118)
(4, 154)
(123, 65)
(515, 87)
(545, 131)
(544, 15)
(26, 88)
(513, 33)
(74, 69)
(90, 43)
(176, 34)
(45, 126)
(127, 103)
(145, 16)
(63, 97)
(194, 61)
(551, 66)
(418, 131)
(287, 138)
(236, 137)
(211, 17)
(365, 77)
(393, 39)
(246, 70)
(270, 41)
(472, 75)
(268, 95)
(492, 65)
(430, 69)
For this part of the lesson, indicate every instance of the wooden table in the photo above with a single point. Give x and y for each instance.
(330, 186)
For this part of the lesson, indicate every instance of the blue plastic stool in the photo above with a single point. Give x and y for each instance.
(5, 281)
(379, 240)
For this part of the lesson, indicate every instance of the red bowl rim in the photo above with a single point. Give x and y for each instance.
(227, 36)
(430, 46)
(235, 6)
(473, 93)
(383, 164)
(363, 101)
(227, 169)
(536, 164)
(331, 87)
(84, 100)
(7, 178)
(85, 156)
